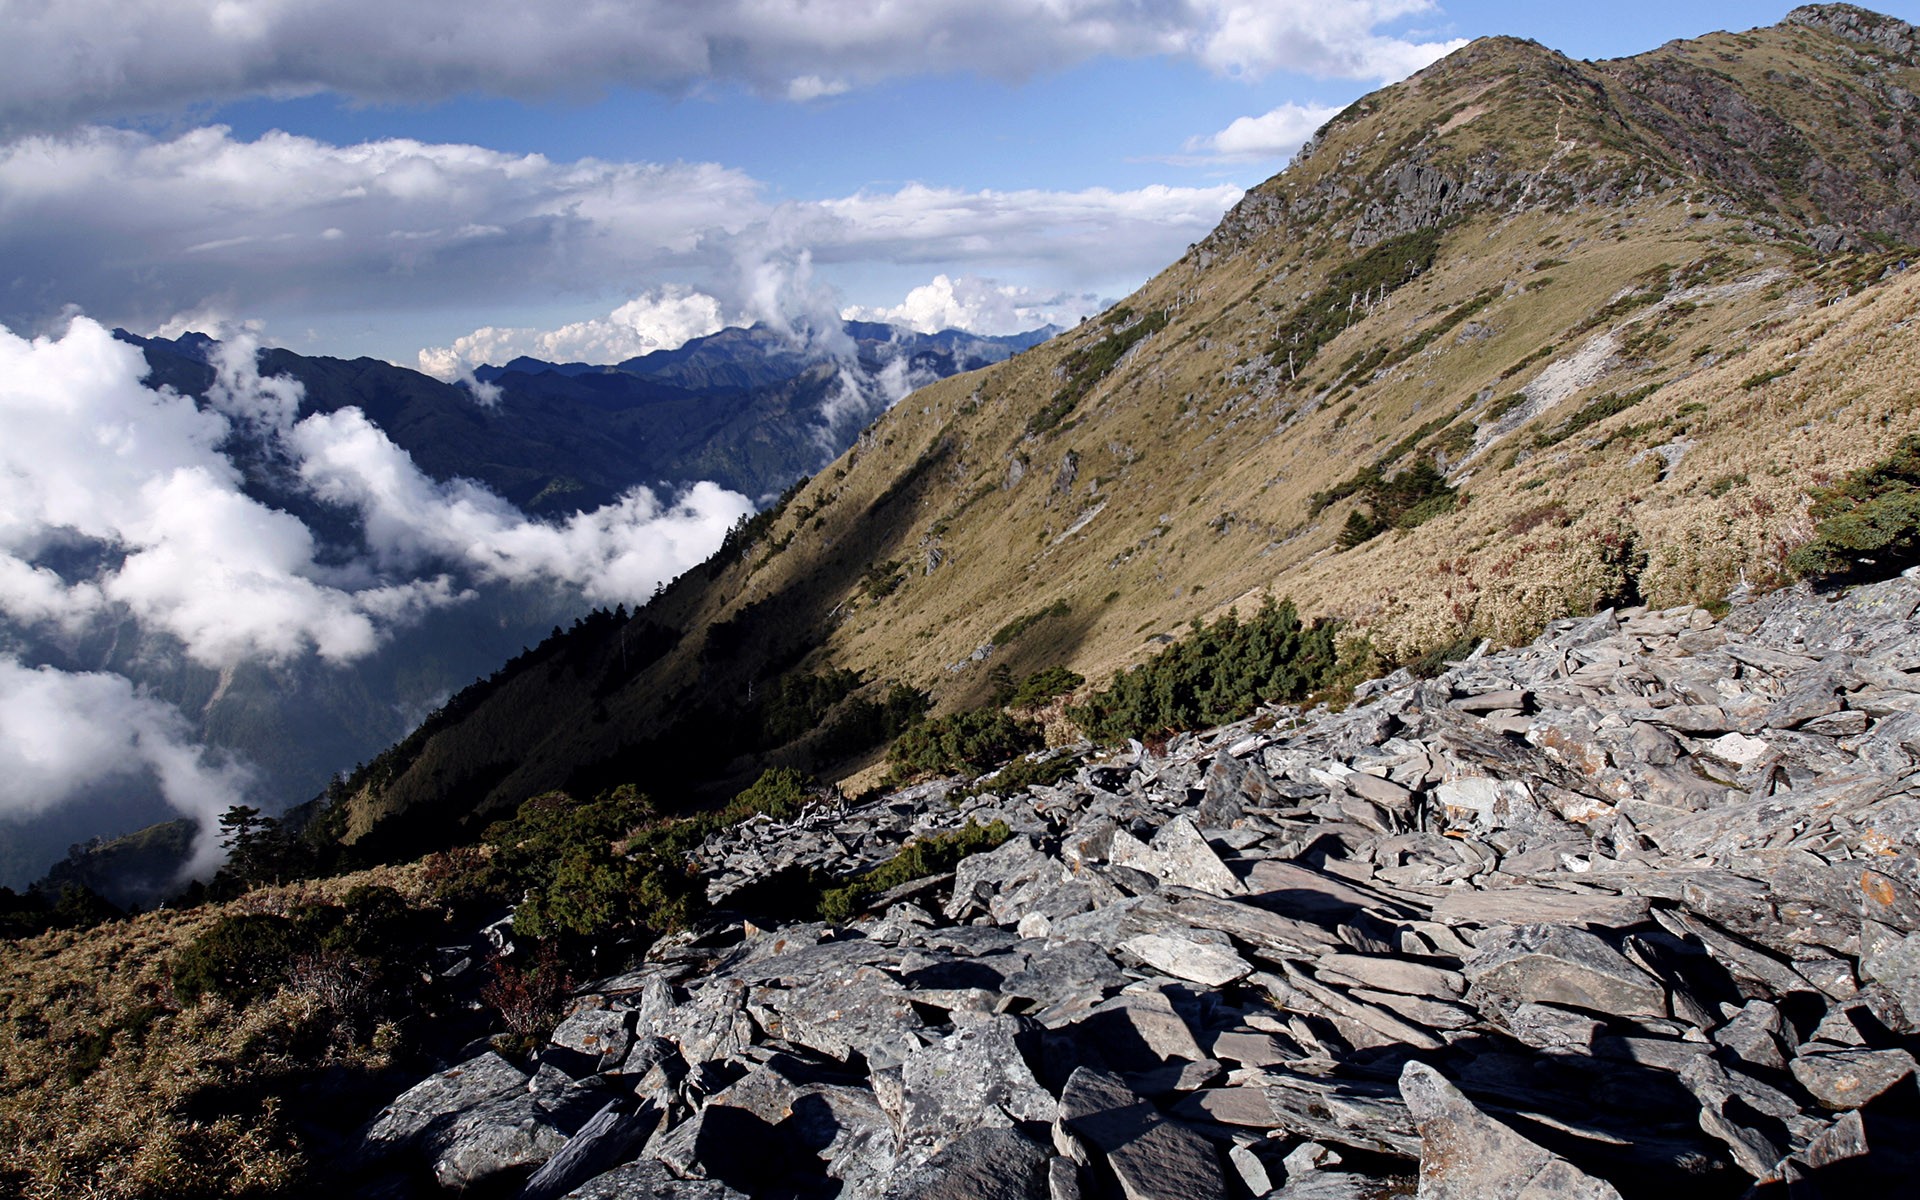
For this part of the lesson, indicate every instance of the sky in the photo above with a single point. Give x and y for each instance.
(440, 184)
(443, 183)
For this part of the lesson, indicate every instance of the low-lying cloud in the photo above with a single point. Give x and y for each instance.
(118, 501)
(617, 553)
(661, 319)
(93, 456)
(63, 733)
(983, 306)
(163, 57)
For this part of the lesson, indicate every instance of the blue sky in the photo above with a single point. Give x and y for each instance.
(994, 164)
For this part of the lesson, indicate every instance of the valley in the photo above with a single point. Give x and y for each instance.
(1419, 698)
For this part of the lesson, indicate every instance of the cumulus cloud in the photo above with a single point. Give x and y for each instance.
(1275, 134)
(94, 457)
(87, 59)
(619, 552)
(117, 500)
(1091, 234)
(660, 319)
(63, 733)
(982, 306)
(120, 223)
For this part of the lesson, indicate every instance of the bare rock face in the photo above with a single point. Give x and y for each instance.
(1460, 933)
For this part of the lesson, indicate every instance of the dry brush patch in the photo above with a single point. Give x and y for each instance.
(109, 1087)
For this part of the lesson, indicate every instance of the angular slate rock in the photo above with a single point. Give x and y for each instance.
(1559, 964)
(1151, 1157)
(981, 1164)
(1179, 853)
(650, 1180)
(1848, 1079)
(1184, 958)
(974, 1077)
(1467, 1155)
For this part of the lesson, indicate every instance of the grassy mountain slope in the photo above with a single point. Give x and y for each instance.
(1632, 311)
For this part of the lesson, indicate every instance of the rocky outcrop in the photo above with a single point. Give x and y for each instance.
(1630, 910)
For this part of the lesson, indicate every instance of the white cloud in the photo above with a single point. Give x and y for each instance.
(121, 223)
(1274, 135)
(661, 319)
(619, 552)
(62, 734)
(95, 458)
(126, 488)
(982, 306)
(92, 455)
(137, 229)
(812, 87)
(1092, 234)
(83, 59)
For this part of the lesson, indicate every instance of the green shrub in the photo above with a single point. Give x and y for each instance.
(239, 959)
(973, 741)
(780, 793)
(882, 579)
(1412, 497)
(1868, 524)
(1023, 773)
(1593, 412)
(864, 723)
(1218, 673)
(599, 867)
(917, 860)
(795, 704)
(1323, 316)
(1435, 659)
(1359, 528)
(1042, 686)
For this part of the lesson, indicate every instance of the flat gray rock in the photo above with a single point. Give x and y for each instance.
(1508, 906)
(972, 1078)
(1138, 1031)
(1847, 1079)
(650, 1180)
(1179, 853)
(982, 1164)
(599, 1035)
(1186, 959)
(1559, 964)
(1389, 974)
(1151, 1157)
(454, 1090)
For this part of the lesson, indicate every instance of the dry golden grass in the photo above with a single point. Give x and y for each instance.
(1201, 504)
(109, 1088)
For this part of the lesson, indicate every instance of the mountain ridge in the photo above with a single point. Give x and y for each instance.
(1482, 232)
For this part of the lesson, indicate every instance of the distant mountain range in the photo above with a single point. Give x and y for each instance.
(745, 408)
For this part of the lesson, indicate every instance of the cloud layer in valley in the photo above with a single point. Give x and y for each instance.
(56, 67)
(134, 485)
(64, 733)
